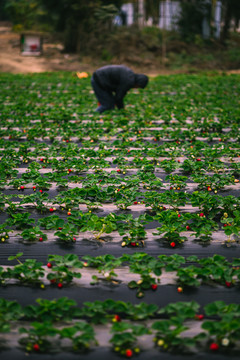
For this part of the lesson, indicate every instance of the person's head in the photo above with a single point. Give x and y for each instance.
(141, 81)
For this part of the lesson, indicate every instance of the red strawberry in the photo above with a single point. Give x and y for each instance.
(199, 160)
(201, 214)
(129, 353)
(60, 228)
(172, 244)
(22, 187)
(180, 289)
(133, 243)
(49, 265)
(154, 286)
(135, 202)
(40, 239)
(179, 215)
(228, 284)
(214, 346)
(36, 347)
(199, 316)
(40, 191)
(117, 318)
(74, 239)
(34, 187)
(60, 285)
(51, 210)
(188, 227)
(52, 281)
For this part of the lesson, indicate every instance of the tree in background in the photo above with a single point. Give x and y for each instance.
(231, 11)
(191, 18)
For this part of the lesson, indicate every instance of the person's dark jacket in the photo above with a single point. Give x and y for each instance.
(115, 78)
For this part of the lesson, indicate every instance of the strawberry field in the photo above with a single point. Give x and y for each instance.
(119, 234)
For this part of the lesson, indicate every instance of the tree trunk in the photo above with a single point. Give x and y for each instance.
(227, 21)
(141, 13)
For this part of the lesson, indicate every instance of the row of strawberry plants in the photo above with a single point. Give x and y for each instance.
(62, 270)
(171, 224)
(218, 334)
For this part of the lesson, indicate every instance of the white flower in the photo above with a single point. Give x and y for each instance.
(225, 342)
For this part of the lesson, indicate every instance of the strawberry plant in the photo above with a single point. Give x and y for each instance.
(37, 337)
(134, 227)
(20, 221)
(105, 265)
(167, 336)
(33, 234)
(67, 233)
(81, 335)
(62, 269)
(10, 311)
(28, 272)
(125, 336)
(144, 265)
(172, 224)
(62, 309)
(51, 222)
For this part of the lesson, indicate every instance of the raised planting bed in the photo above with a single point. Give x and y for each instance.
(119, 233)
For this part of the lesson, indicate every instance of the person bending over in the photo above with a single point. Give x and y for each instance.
(111, 83)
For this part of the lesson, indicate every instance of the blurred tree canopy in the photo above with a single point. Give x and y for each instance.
(79, 20)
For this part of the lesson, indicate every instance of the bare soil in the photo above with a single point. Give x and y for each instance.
(53, 59)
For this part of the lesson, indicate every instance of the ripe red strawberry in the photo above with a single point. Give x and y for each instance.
(60, 228)
(69, 213)
(22, 187)
(117, 318)
(171, 187)
(201, 214)
(36, 347)
(172, 244)
(199, 160)
(49, 265)
(129, 353)
(135, 202)
(60, 285)
(199, 316)
(51, 210)
(179, 215)
(228, 284)
(118, 170)
(188, 227)
(41, 159)
(180, 289)
(214, 346)
(40, 239)
(74, 239)
(40, 191)
(154, 286)
(133, 243)
(69, 170)
(34, 187)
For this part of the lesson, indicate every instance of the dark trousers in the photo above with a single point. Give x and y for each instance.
(106, 98)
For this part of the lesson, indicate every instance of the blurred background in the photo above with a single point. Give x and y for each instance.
(154, 35)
